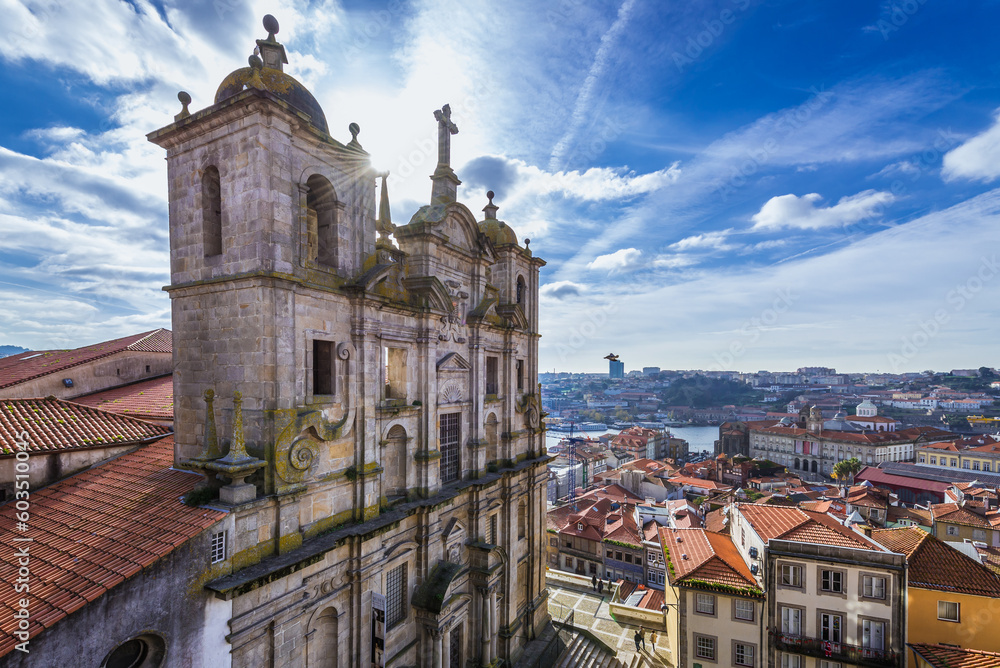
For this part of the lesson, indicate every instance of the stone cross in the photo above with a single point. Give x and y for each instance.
(445, 129)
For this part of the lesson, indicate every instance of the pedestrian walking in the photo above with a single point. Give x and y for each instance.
(593, 582)
(600, 586)
(642, 637)
(652, 640)
(638, 638)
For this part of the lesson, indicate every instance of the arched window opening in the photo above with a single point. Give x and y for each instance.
(211, 212)
(394, 462)
(797, 466)
(323, 650)
(321, 220)
(522, 520)
(521, 295)
(814, 467)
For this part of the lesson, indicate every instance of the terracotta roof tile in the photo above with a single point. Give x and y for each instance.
(946, 656)
(790, 523)
(933, 565)
(54, 424)
(35, 364)
(956, 514)
(700, 556)
(76, 561)
(149, 399)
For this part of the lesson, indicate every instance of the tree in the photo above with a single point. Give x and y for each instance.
(846, 469)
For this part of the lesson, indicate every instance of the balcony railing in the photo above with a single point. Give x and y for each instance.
(834, 651)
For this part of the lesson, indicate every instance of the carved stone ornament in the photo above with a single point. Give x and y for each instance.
(452, 323)
(451, 393)
(529, 406)
(301, 430)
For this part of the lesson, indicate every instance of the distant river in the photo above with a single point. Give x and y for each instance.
(698, 438)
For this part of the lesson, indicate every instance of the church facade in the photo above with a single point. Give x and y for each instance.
(361, 397)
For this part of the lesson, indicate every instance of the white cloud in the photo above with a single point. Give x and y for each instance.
(791, 211)
(901, 168)
(708, 240)
(978, 158)
(625, 259)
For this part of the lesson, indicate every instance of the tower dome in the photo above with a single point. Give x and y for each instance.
(266, 72)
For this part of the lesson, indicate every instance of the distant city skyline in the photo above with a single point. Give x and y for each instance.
(728, 184)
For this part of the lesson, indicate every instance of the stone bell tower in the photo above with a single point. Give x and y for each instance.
(262, 201)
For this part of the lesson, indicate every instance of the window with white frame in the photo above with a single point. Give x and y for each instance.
(791, 660)
(873, 634)
(830, 627)
(832, 581)
(978, 534)
(395, 596)
(218, 547)
(744, 610)
(743, 654)
(873, 586)
(791, 575)
(948, 611)
(952, 531)
(705, 604)
(830, 664)
(705, 647)
(791, 621)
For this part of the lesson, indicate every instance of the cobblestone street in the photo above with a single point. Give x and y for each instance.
(591, 612)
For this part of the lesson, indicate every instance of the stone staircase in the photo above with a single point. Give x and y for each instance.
(583, 652)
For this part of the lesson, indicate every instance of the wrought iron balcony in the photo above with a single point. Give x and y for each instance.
(834, 651)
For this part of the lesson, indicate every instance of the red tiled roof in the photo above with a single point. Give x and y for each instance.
(790, 523)
(153, 398)
(93, 530)
(933, 565)
(947, 656)
(956, 514)
(54, 424)
(700, 556)
(35, 364)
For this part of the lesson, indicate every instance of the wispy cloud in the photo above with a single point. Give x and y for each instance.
(584, 100)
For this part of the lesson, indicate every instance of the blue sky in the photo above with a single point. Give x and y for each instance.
(728, 184)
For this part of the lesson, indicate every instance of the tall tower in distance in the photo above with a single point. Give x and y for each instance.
(616, 368)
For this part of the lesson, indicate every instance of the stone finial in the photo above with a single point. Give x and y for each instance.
(185, 99)
(384, 224)
(272, 51)
(491, 208)
(256, 65)
(271, 26)
(526, 243)
(211, 439)
(237, 464)
(355, 130)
